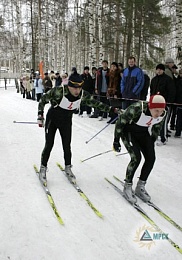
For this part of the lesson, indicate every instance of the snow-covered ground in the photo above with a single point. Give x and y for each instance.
(29, 229)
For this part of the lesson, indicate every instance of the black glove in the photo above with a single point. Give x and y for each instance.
(116, 146)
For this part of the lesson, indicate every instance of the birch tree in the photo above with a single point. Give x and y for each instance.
(100, 33)
(179, 30)
(92, 30)
(21, 55)
(89, 31)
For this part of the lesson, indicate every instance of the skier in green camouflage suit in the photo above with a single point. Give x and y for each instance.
(139, 127)
(64, 101)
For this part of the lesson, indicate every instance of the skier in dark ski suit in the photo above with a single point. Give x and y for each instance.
(64, 101)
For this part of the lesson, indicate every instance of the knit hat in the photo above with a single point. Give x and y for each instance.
(169, 60)
(74, 69)
(161, 67)
(86, 68)
(75, 81)
(157, 101)
(115, 64)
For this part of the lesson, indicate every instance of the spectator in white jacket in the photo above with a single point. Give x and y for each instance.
(39, 88)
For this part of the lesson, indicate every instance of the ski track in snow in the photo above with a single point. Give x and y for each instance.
(29, 229)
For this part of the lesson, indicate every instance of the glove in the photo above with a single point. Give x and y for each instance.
(40, 120)
(116, 110)
(116, 146)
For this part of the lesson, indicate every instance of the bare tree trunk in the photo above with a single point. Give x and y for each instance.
(179, 30)
(118, 24)
(46, 35)
(91, 27)
(63, 35)
(133, 29)
(141, 52)
(100, 34)
(32, 35)
(129, 52)
(21, 55)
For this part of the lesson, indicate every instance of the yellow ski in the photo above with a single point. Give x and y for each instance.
(151, 204)
(82, 194)
(145, 215)
(50, 198)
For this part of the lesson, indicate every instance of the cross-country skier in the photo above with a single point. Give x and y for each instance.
(64, 101)
(139, 127)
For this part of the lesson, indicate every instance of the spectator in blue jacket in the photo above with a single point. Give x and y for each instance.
(132, 83)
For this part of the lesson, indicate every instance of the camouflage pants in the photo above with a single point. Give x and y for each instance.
(137, 143)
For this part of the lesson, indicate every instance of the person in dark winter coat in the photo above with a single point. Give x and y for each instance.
(179, 105)
(94, 75)
(87, 86)
(58, 80)
(64, 101)
(173, 106)
(164, 85)
(139, 127)
(101, 86)
(47, 83)
(144, 91)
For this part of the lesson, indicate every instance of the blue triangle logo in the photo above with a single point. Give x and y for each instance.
(146, 236)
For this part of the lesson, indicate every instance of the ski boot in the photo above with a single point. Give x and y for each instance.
(141, 192)
(42, 175)
(128, 193)
(71, 177)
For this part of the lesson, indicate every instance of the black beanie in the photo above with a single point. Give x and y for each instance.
(94, 68)
(74, 70)
(75, 81)
(86, 68)
(115, 63)
(161, 67)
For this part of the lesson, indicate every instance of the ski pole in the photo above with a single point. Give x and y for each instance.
(19, 122)
(96, 155)
(121, 154)
(101, 130)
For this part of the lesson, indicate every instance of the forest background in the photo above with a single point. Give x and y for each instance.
(67, 33)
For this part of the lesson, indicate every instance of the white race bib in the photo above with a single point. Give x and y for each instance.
(148, 121)
(68, 105)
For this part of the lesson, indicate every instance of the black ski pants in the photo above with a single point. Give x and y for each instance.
(65, 130)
